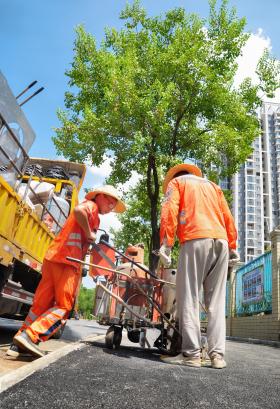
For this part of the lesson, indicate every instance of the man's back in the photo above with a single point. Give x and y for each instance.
(197, 208)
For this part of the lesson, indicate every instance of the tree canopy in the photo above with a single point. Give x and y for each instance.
(158, 92)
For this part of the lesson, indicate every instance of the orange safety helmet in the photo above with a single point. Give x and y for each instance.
(194, 170)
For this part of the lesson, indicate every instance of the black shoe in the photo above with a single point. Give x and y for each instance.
(24, 341)
(15, 351)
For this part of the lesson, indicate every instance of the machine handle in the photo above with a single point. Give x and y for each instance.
(129, 259)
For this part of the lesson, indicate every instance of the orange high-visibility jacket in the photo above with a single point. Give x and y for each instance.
(198, 209)
(72, 241)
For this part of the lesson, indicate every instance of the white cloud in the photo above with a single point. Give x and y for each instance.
(109, 221)
(100, 173)
(251, 54)
(131, 182)
(96, 176)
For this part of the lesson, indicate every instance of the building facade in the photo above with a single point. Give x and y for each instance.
(256, 188)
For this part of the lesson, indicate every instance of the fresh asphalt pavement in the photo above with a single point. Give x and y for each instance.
(95, 377)
(74, 331)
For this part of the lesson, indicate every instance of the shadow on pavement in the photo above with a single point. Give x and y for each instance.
(128, 351)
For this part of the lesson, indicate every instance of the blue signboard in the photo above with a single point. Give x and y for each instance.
(252, 285)
(253, 290)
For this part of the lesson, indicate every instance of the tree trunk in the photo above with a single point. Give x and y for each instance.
(153, 194)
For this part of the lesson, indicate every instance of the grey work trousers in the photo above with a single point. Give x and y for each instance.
(202, 264)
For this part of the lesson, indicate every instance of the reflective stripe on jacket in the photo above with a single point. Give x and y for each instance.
(72, 241)
(196, 208)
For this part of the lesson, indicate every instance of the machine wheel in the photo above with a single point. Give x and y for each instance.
(59, 332)
(113, 337)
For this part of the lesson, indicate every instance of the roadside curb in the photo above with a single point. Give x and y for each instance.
(275, 344)
(10, 379)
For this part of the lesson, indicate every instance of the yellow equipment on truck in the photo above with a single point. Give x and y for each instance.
(36, 196)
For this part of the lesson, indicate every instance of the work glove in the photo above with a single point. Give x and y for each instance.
(91, 238)
(165, 255)
(233, 258)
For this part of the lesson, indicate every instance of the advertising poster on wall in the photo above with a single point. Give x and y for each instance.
(252, 285)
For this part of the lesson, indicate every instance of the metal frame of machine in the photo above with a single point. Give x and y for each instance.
(146, 290)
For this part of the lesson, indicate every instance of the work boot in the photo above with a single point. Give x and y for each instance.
(217, 361)
(24, 341)
(182, 360)
(15, 351)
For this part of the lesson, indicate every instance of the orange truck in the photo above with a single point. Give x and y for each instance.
(36, 196)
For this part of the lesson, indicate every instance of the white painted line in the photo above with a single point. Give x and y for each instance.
(12, 378)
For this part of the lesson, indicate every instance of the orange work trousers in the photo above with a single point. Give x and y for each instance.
(53, 300)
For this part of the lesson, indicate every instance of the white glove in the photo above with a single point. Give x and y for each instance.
(233, 258)
(165, 255)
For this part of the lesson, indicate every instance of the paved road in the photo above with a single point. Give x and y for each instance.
(95, 377)
(74, 331)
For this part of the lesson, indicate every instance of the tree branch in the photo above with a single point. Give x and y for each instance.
(175, 132)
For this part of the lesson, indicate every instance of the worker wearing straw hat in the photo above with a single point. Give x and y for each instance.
(197, 211)
(55, 295)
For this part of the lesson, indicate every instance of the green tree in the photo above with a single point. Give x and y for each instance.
(85, 302)
(135, 221)
(136, 226)
(159, 91)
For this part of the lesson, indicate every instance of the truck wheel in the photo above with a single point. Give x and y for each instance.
(113, 337)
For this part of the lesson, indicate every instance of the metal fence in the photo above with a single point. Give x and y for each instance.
(253, 293)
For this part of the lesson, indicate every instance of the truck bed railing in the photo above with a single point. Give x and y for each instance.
(21, 173)
(14, 137)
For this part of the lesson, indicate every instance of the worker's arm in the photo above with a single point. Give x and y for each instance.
(82, 219)
(169, 214)
(229, 223)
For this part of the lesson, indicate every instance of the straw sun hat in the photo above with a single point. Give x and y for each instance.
(183, 167)
(109, 191)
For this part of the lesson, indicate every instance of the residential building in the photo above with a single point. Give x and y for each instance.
(256, 188)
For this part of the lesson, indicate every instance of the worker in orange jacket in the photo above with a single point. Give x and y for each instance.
(56, 293)
(196, 209)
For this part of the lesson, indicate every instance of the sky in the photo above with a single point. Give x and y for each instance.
(37, 40)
